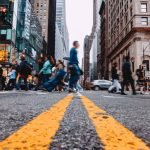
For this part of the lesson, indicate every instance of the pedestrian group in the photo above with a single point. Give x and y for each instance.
(51, 75)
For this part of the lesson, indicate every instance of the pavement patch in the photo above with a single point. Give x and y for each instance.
(113, 135)
(38, 133)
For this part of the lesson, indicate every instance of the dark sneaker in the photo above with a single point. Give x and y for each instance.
(134, 93)
(123, 94)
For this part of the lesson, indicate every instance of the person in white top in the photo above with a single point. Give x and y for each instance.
(12, 78)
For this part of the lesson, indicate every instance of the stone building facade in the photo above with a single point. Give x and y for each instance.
(129, 32)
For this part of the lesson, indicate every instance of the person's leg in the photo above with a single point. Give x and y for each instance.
(132, 85)
(50, 86)
(75, 81)
(39, 83)
(116, 84)
(44, 78)
(71, 81)
(18, 84)
(79, 87)
(26, 83)
(47, 77)
(8, 84)
(13, 83)
(123, 84)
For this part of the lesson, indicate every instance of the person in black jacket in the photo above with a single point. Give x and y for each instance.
(24, 72)
(127, 76)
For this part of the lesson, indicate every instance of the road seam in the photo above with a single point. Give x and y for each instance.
(113, 134)
(38, 133)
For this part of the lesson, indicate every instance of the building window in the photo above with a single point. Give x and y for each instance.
(144, 7)
(144, 21)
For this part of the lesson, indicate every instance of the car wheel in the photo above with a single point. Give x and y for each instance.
(96, 88)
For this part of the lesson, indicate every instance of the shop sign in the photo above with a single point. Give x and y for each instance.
(3, 56)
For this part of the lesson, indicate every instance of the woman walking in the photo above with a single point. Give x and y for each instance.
(46, 71)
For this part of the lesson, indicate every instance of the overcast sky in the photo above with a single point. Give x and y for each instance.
(79, 20)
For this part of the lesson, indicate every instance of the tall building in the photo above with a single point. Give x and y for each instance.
(61, 22)
(46, 12)
(96, 40)
(59, 45)
(41, 8)
(61, 15)
(96, 17)
(28, 33)
(88, 40)
(129, 32)
(8, 21)
(51, 28)
(102, 57)
(52, 15)
(20, 31)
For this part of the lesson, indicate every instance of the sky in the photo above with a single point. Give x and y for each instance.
(79, 21)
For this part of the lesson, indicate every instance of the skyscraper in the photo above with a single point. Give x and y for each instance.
(46, 12)
(96, 40)
(41, 8)
(61, 21)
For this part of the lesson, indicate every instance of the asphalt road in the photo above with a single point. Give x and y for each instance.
(76, 131)
(16, 109)
(132, 111)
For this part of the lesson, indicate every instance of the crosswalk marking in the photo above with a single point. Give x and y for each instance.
(112, 97)
(113, 135)
(38, 134)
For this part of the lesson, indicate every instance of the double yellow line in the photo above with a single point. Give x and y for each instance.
(112, 134)
(38, 134)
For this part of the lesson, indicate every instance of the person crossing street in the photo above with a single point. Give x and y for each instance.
(46, 71)
(12, 79)
(24, 72)
(127, 76)
(75, 71)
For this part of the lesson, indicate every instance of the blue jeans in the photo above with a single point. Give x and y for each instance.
(74, 76)
(45, 78)
(25, 83)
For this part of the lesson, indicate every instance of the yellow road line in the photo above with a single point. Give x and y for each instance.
(113, 135)
(38, 134)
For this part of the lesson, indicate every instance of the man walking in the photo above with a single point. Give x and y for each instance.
(74, 67)
(24, 72)
(127, 76)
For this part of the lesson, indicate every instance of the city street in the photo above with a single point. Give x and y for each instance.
(86, 121)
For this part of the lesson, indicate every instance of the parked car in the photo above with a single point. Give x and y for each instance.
(101, 84)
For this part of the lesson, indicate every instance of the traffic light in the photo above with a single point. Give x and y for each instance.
(3, 12)
(3, 9)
